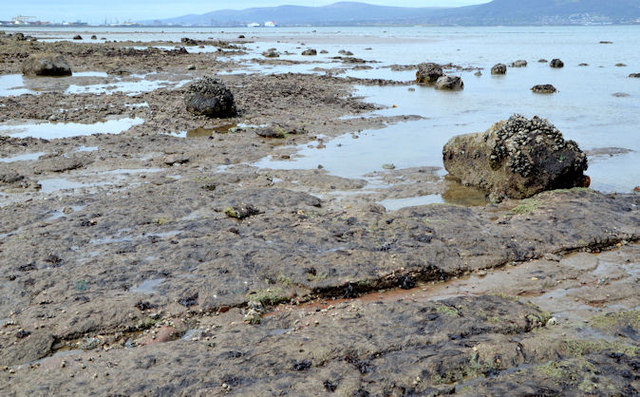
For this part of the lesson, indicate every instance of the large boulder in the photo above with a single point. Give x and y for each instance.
(46, 65)
(428, 73)
(452, 83)
(516, 158)
(499, 68)
(210, 97)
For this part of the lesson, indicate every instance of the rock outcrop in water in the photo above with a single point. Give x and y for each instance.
(635, 75)
(47, 64)
(556, 63)
(428, 73)
(544, 89)
(499, 68)
(210, 97)
(516, 158)
(520, 63)
(310, 52)
(451, 83)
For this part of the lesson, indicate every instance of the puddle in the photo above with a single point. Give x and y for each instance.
(83, 82)
(22, 157)
(207, 132)
(86, 149)
(54, 184)
(396, 204)
(67, 130)
(147, 287)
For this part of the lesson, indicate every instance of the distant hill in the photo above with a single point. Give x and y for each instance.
(497, 12)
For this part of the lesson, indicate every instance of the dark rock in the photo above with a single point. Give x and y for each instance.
(635, 75)
(606, 42)
(241, 36)
(241, 211)
(544, 89)
(310, 52)
(345, 53)
(189, 41)
(452, 83)
(94, 37)
(621, 65)
(324, 52)
(620, 95)
(516, 158)
(77, 37)
(428, 73)
(10, 177)
(520, 63)
(499, 68)
(542, 60)
(46, 65)
(20, 36)
(210, 97)
(556, 63)
(271, 53)
(583, 64)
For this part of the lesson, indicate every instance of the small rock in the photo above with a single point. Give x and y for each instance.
(620, 94)
(345, 53)
(543, 89)
(542, 60)
(621, 65)
(606, 42)
(635, 75)
(191, 67)
(452, 83)
(176, 159)
(241, 36)
(499, 69)
(552, 321)
(428, 73)
(310, 52)
(388, 166)
(94, 37)
(271, 53)
(241, 211)
(188, 41)
(77, 37)
(520, 63)
(556, 63)
(583, 64)
(478, 73)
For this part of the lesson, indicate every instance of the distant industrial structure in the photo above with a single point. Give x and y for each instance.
(25, 21)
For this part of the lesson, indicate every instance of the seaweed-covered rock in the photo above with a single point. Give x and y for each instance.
(46, 65)
(499, 68)
(452, 83)
(428, 73)
(556, 63)
(210, 97)
(544, 89)
(516, 158)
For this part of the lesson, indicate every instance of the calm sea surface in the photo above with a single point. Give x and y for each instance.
(585, 109)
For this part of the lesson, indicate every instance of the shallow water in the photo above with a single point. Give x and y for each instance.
(66, 130)
(22, 157)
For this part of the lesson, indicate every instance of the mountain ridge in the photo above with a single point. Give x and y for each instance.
(496, 12)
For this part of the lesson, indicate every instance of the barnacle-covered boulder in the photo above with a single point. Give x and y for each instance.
(516, 158)
(210, 97)
(428, 73)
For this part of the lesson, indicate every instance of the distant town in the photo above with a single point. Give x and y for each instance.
(30, 21)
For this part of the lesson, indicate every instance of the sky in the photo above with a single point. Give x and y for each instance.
(124, 10)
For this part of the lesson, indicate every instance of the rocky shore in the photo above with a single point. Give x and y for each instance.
(162, 261)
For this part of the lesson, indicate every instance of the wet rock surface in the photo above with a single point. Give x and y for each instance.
(556, 63)
(499, 69)
(428, 73)
(122, 271)
(544, 89)
(46, 65)
(449, 83)
(210, 97)
(516, 158)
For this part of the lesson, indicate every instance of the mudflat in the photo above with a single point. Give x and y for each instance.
(126, 269)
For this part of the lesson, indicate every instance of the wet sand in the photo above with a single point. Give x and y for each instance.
(124, 274)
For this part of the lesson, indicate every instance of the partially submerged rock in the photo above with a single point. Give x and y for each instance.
(47, 64)
(520, 63)
(499, 68)
(271, 53)
(278, 131)
(635, 75)
(210, 97)
(556, 63)
(452, 83)
(516, 158)
(428, 73)
(544, 89)
(310, 52)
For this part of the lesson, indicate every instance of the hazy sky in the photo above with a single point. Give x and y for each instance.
(96, 12)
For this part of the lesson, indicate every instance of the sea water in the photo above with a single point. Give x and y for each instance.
(596, 105)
